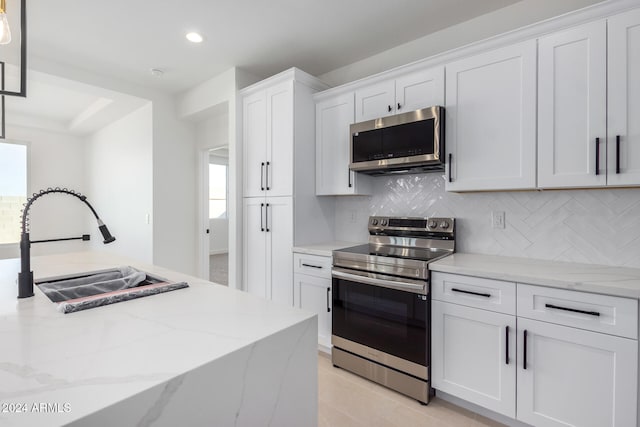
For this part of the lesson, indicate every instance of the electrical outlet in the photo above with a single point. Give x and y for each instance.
(498, 219)
(353, 216)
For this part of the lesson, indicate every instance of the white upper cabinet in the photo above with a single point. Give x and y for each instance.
(254, 130)
(267, 128)
(491, 120)
(333, 147)
(410, 92)
(420, 90)
(279, 170)
(375, 101)
(623, 159)
(572, 99)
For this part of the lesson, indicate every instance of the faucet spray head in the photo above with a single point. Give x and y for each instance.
(108, 238)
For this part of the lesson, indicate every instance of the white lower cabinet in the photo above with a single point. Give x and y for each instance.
(474, 355)
(312, 291)
(574, 377)
(561, 371)
(267, 243)
(314, 294)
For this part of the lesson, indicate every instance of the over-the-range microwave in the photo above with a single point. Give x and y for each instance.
(402, 143)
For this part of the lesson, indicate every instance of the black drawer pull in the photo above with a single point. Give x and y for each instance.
(617, 153)
(312, 266)
(471, 293)
(506, 337)
(597, 156)
(328, 303)
(524, 350)
(574, 310)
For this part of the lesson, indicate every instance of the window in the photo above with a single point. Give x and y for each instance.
(13, 189)
(218, 191)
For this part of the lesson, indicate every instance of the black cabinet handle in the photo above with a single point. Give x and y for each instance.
(266, 216)
(399, 106)
(617, 153)
(328, 304)
(262, 176)
(261, 216)
(597, 156)
(450, 166)
(524, 350)
(311, 265)
(267, 178)
(349, 172)
(506, 339)
(389, 108)
(462, 291)
(573, 310)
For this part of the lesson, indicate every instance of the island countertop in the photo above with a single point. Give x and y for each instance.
(83, 362)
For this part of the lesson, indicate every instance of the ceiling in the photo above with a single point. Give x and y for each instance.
(126, 38)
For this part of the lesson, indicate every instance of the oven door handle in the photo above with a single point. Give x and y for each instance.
(406, 285)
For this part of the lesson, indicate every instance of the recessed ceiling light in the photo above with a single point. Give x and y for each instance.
(194, 38)
(156, 72)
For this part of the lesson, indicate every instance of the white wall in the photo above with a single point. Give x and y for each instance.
(174, 171)
(120, 180)
(518, 15)
(591, 226)
(201, 103)
(219, 237)
(56, 160)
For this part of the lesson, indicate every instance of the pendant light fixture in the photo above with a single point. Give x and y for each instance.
(5, 31)
(13, 45)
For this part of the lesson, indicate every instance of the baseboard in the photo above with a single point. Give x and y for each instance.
(480, 410)
(224, 251)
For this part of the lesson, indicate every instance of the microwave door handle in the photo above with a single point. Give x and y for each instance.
(378, 282)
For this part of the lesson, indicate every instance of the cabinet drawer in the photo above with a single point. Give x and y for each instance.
(594, 312)
(313, 265)
(487, 294)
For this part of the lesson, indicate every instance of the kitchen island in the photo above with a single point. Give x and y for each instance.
(203, 355)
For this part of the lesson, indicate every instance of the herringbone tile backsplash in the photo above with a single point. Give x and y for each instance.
(589, 226)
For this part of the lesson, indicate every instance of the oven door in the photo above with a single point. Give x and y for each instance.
(382, 318)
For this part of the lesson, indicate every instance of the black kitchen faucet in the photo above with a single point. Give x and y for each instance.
(25, 277)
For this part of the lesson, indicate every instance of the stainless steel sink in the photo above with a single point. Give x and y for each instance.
(97, 288)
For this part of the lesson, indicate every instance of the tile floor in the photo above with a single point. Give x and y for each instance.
(347, 400)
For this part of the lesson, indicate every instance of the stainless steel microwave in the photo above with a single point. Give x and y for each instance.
(410, 142)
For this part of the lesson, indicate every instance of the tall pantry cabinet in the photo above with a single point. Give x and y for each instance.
(280, 208)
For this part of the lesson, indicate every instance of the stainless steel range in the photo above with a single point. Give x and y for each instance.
(381, 302)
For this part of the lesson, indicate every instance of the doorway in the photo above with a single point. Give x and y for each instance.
(217, 213)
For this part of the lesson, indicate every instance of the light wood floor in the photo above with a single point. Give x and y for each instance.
(348, 400)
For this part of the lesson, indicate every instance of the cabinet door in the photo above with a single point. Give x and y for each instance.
(333, 148)
(572, 100)
(575, 377)
(279, 222)
(491, 120)
(314, 294)
(377, 100)
(474, 355)
(254, 143)
(624, 99)
(420, 90)
(254, 259)
(279, 170)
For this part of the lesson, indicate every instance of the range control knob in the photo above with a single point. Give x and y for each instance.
(374, 222)
(444, 225)
(383, 222)
(433, 224)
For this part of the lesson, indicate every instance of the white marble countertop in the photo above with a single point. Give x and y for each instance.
(91, 359)
(324, 249)
(602, 279)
